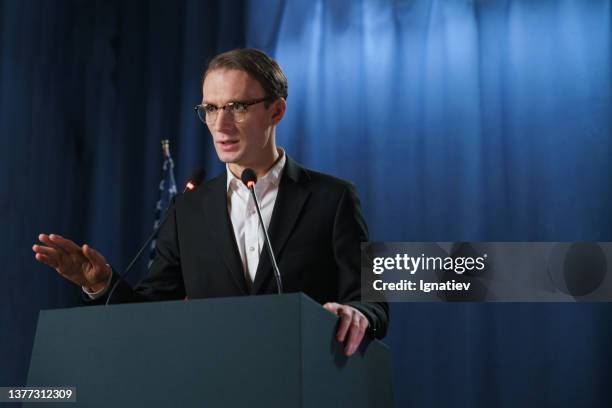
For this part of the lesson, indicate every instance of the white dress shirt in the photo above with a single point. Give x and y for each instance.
(245, 221)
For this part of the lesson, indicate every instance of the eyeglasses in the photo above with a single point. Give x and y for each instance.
(236, 110)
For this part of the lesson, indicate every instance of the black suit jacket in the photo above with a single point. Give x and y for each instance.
(316, 229)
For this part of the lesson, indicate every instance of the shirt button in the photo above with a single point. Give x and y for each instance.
(251, 249)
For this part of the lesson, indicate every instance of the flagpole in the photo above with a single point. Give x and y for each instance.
(165, 148)
(167, 191)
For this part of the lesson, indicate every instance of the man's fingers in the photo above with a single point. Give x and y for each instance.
(344, 325)
(100, 272)
(345, 319)
(93, 256)
(46, 260)
(332, 307)
(50, 256)
(66, 244)
(356, 332)
(352, 325)
(46, 239)
(45, 250)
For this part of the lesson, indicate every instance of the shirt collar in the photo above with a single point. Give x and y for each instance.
(272, 176)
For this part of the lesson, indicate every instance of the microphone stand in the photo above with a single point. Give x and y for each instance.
(279, 283)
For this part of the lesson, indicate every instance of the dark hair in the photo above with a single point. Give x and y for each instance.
(256, 63)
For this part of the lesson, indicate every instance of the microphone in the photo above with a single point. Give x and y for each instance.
(249, 178)
(195, 180)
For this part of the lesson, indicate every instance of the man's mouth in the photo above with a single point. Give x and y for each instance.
(228, 145)
(227, 142)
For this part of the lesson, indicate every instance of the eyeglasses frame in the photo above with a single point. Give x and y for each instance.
(246, 104)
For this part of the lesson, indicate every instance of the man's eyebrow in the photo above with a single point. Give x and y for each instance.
(228, 102)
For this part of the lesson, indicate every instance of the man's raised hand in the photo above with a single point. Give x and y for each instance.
(82, 265)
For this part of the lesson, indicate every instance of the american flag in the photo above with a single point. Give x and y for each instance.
(167, 190)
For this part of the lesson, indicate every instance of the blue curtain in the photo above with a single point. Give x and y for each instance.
(457, 120)
(464, 120)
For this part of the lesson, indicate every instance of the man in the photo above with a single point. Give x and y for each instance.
(211, 244)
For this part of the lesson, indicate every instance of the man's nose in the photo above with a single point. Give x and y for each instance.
(223, 121)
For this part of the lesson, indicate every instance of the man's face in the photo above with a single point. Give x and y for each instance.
(250, 142)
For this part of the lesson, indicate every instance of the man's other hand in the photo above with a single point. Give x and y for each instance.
(352, 326)
(82, 265)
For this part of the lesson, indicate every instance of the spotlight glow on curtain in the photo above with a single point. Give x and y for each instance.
(457, 119)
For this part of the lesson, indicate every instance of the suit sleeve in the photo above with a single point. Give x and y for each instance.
(164, 280)
(349, 231)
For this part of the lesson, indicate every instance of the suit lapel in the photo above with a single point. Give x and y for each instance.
(222, 232)
(292, 195)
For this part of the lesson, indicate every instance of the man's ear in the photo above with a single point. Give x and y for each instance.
(279, 107)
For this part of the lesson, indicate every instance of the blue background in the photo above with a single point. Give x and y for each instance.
(457, 120)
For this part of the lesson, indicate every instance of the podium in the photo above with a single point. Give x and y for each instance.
(259, 351)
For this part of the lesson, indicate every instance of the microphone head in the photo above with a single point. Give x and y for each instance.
(249, 178)
(196, 178)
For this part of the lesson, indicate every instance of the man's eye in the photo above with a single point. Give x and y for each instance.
(210, 108)
(237, 107)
